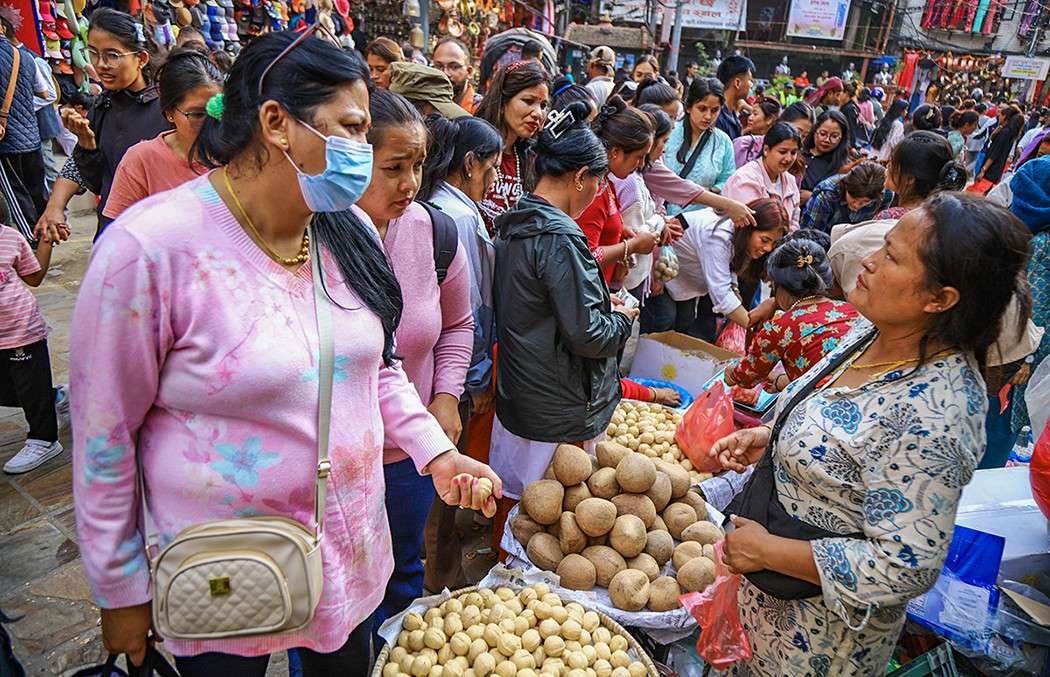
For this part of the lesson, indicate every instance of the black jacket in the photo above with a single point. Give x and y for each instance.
(557, 378)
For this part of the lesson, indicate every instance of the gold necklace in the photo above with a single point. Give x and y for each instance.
(899, 363)
(304, 251)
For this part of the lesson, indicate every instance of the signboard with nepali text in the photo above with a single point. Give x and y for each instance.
(821, 19)
(730, 15)
(1026, 67)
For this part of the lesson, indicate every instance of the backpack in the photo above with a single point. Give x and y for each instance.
(446, 239)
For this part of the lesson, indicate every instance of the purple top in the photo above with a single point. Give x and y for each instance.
(666, 186)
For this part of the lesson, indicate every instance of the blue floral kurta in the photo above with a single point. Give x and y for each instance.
(889, 459)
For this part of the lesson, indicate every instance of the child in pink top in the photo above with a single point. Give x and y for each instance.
(25, 365)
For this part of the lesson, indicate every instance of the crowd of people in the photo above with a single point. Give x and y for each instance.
(485, 249)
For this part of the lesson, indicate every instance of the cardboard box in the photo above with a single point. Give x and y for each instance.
(680, 359)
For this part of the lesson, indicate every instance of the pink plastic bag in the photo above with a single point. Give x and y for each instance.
(708, 419)
(733, 338)
(723, 640)
(1039, 472)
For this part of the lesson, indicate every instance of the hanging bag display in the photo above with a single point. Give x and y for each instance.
(251, 576)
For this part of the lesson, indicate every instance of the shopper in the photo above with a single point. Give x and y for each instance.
(600, 69)
(219, 361)
(697, 150)
(853, 197)
(426, 88)
(927, 118)
(21, 160)
(810, 326)
(660, 93)
(25, 364)
(770, 174)
(890, 131)
(128, 111)
(436, 334)
(452, 57)
(830, 96)
(736, 73)
(921, 164)
(850, 109)
(825, 150)
(627, 134)
(964, 124)
(713, 257)
(564, 92)
(515, 104)
(748, 146)
(558, 332)
(647, 67)
(1001, 147)
(879, 534)
(459, 169)
(381, 53)
(187, 82)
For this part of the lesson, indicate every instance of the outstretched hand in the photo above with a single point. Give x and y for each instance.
(460, 480)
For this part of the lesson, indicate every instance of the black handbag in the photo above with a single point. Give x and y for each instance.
(759, 501)
(154, 663)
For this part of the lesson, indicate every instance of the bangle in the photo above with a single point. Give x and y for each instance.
(652, 393)
(599, 255)
(626, 250)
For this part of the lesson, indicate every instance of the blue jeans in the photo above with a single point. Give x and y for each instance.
(408, 500)
(1001, 436)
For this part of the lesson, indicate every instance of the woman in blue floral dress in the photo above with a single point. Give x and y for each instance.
(879, 452)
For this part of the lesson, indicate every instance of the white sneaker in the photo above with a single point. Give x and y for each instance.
(62, 406)
(34, 454)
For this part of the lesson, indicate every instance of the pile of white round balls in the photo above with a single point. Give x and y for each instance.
(649, 429)
(500, 633)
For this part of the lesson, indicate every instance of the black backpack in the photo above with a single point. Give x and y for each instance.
(446, 239)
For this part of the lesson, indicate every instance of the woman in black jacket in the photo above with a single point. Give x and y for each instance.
(1004, 138)
(128, 111)
(557, 330)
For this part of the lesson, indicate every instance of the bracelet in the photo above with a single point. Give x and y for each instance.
(599, 255)
(652, 393)
(626, 251)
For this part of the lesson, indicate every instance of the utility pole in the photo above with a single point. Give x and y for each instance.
(676, 37)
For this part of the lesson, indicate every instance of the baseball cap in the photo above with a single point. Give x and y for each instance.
(604, 55)
(417, 82)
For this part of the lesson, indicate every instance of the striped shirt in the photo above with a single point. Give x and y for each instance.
(22, 323)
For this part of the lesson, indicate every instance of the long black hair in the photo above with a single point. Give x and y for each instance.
(840, 154)
(663, 125)
(770, 215)
(131, 34)
(451, 141)
(185, 70)
(700, 89)
(651, 90)
(926, 159)
(897, 109)
(305, 78)
(621, 126)
(969, 236)
(572, 149)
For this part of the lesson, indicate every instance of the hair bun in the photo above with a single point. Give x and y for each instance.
(952, 176)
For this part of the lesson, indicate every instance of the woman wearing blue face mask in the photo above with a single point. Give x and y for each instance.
(198, 363)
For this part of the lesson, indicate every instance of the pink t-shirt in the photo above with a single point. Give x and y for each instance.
(149, 167)
(21, 323)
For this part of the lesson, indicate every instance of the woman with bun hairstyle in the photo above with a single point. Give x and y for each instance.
(748, 146)
(698, 150)
(770, 173)
(194, 359)
(459, 169)
(187, 81)
(809, 325)
(921, 164)
(659, 93)
(963, 123)
(627, 134)
(559, 334)
(127, 111)
(890, 131)
(564, 91)
(927, 118)
(515, 104)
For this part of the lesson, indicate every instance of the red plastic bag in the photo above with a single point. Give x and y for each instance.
(708, 419)
(723, 640)
(1039, 472)
(982, 186)
(733, 338)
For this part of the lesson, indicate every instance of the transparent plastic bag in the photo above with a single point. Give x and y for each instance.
(666, 265)
(1037, 397)
(723, 640)
(708, 419)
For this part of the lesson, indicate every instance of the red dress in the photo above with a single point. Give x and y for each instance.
(602, 224)
(799, 338)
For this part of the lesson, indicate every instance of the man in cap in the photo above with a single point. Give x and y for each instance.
(452, 57)
(428, 89)
(600, 68)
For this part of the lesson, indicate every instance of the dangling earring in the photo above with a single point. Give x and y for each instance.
(579, 186)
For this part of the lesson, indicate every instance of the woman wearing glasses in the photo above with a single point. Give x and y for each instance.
(825, 150)
(128, 111)
(195, 360)
(187, 81)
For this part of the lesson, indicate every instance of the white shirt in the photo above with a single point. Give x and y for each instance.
(892, 139)
(1028, 137)
(979, 138)
(600, 87)
(705, 253)
(44, 83)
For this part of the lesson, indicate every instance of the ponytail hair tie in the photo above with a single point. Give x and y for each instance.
(803, 261)
(215, 106)
(561, 89)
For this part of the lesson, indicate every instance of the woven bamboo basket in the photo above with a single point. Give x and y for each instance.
(610, 624)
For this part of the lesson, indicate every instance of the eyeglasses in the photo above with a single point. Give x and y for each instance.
(194, 116)
(450, 67)
(317, 27)
(107, 57)
(829, 136)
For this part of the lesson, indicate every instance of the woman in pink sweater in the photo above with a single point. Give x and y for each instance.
(435, 339)
(194, 357)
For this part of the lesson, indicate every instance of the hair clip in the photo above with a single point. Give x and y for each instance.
(561, 89)
(804, 261)
(139, 34)
(215, 106)
(559, 122)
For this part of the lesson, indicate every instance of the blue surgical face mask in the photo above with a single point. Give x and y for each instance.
(347, 172)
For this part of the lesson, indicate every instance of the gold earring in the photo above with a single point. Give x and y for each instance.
(579, 187)
(284, 143)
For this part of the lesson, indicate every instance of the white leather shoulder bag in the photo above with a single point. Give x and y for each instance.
(251, 576)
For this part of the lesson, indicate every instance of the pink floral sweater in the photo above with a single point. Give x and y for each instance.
(195, 355)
